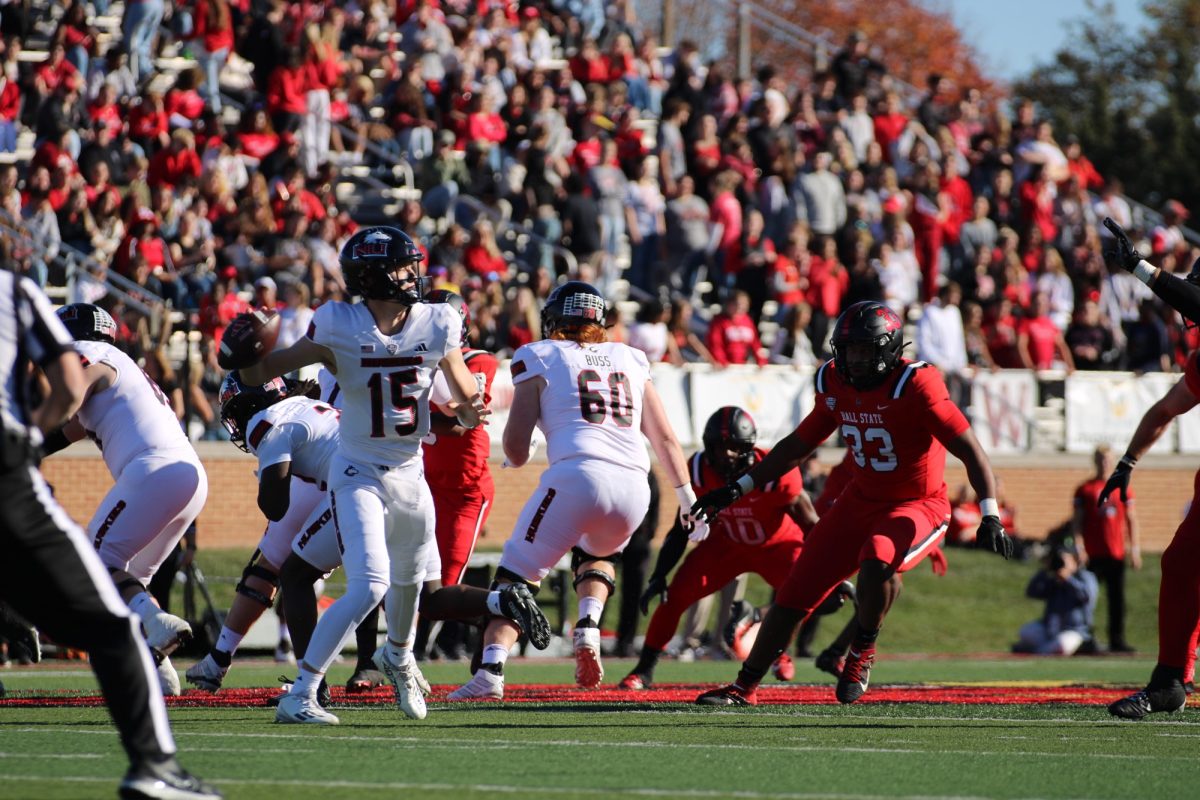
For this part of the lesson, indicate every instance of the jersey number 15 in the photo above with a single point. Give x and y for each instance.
(396, 381)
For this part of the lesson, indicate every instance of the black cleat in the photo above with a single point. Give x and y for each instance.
(364, 680)
(731, 695)
(517, 603)
(856, 674)
(1150, 701)
(830, 661)
(165, 781)
(741, 616)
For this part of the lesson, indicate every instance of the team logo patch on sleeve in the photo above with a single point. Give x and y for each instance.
(518, 368)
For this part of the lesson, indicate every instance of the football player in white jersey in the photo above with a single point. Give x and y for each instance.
(294, 439)
(384, 353)
(160, 484)
(596, 405)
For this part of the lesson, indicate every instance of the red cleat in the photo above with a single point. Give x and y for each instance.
(634, 682)
(856, 675)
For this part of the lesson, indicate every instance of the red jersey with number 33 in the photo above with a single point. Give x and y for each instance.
(895, 432)
(756, 518)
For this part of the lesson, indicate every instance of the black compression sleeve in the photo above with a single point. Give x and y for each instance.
(1181, 295)
(671, 550)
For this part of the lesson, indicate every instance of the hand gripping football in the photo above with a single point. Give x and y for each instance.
(248, 338)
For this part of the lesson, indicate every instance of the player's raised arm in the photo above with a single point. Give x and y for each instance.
(1181, 294)
(1179, 400)
(280, 362)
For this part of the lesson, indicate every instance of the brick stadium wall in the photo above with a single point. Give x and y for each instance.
(1040, 487)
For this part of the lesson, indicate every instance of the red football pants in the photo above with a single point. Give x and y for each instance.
(856, 529)
(711, 565)
(1179, 594)
(461, 514)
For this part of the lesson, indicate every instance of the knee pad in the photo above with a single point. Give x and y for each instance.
(603, 577)
(509, 576)
(253, 570)
(579, 557)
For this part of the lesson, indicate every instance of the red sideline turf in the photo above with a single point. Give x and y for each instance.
(661, 693)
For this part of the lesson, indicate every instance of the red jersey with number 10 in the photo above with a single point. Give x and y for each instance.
(756, 518)
(895, 432)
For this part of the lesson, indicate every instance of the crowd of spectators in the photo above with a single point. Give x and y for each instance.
(668, 180)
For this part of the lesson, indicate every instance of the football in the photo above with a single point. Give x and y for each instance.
(248, 338)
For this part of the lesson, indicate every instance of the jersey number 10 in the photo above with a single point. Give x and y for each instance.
(593, 405)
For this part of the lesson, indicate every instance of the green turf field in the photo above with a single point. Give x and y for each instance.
(589, 750)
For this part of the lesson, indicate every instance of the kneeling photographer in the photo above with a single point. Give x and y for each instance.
(1070, 593)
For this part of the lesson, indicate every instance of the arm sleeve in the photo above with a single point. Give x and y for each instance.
(439, 393)
(323, 325)
(526, 363)
(671, 551)
(1181, 295)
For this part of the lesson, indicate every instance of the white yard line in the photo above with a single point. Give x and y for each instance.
(424, 742)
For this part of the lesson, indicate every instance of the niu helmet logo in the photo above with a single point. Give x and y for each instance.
(890, 320)
(374, 245)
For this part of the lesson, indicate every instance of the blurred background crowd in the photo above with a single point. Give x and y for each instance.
(207, 156)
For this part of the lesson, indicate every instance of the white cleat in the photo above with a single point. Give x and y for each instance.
(166, 632)
(588, 669)
(419, 677)
(298, 709)
(484, 685)
(206, 674)
(408, 691)
(168, 678)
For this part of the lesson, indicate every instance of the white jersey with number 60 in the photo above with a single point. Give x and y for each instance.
(132, 416)
(385, 380)
(591, 407)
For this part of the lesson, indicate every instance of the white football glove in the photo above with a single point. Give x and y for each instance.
(697, 529)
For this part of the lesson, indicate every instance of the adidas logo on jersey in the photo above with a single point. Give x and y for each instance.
(421, 348)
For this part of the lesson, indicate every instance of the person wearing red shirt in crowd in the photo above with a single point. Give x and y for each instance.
(175, 165)
(1000, 330)
(790, 271)
(1081, 167)
(1039, 339)
(1105, 526)
(287, 91)
(10, 106)
(762, 533)
(930, 210)
(255, 135)
(1179, 590)
(828, 282)
(732, 335)
(482, 255)
(142, 239)
(212, 37)
(898, 420)
(1037, 203)
(890, 124)
(486, 128)
(183, 102)
(54, 71)
(104, 111)
(962, 200)
(292, 195)
(726, 211)
(149, 124)
(589, 65)
(100, 182)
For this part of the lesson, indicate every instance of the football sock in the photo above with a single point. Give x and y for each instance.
(495, 655)
(143, 605)
(401, 611)
(591, 608)
(749, 678)
(493, 603)
(284, 636)
(221, 658)
(307, 683)
(228, 642)
(865, 638)
(647, 662)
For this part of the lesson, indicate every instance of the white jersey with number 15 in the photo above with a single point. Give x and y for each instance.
(385, 380)
(591, 407)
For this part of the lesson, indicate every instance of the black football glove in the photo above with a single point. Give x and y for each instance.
(1123, 253)
(713, 503)
(657, 587)
(991, 536)
(1119, 480)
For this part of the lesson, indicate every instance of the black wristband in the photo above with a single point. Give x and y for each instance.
(55, 440)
